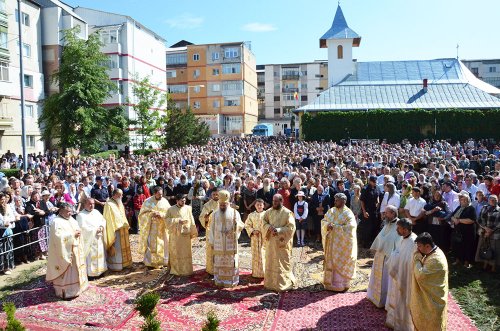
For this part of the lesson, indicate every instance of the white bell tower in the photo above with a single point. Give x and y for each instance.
(339, 39)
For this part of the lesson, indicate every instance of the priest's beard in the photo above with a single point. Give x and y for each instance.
(266, 188)
(118, 202)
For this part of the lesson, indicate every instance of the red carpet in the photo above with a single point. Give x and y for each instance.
(301, 310)
(97, 308)
(185, 302)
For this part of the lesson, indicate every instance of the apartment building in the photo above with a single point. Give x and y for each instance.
(284, 87)
(218, 81)
(488, 70)
(10, 91)
(134, 52)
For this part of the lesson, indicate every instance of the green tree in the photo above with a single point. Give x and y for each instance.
(183, 128)
(149, 101)
(75, 117)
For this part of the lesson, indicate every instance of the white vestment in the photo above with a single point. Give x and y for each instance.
(383, 245)
(400, 267)
(93, 242)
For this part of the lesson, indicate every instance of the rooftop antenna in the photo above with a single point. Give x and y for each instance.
(458, 46)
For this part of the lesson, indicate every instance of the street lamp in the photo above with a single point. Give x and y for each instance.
(188, 87)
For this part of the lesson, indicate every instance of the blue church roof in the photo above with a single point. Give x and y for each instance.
(340, 30)
(399, 85)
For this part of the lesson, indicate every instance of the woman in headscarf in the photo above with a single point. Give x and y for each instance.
(463, 219)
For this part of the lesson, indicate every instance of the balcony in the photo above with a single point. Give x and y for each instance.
(290, 76)
(290, 90)
(112, 48)
(6, 122)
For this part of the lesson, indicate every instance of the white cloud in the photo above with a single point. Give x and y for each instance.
(258, 27)
(185, 21)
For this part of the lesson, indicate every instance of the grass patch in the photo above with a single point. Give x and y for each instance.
(23, 278)
(478, 294)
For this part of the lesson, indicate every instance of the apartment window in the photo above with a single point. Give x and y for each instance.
(196, 57)
(25, 18)
(475, 71)
(277, 86)
(216, 88)
(2, 6)
(288, 97)
(29, 110)
(231, 102)
(303, 98)
(196, 105)
(196, 73)
(231, 53)
(28, 81)
(109, 36)
(276, 74)
(232, 86)
(276, 98)
(196, 88)
(233, 68)
(216, 104)
(493, 69)
(215, 55)
(4, 71)
(215, 72)
(176, 89)
(176, 59)
(26, 49)
(277, 111)
(30, 141)
(3, 37)
(112, 62)
(171, 73)
(304, 72)
(303, 86)
(340, 52)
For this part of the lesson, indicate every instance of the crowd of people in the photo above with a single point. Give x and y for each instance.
(281, 191)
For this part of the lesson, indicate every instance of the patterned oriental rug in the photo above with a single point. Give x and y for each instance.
(300, 310)
(98, 308)
(186, 301)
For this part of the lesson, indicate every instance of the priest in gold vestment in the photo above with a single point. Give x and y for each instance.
(66, 263)
(153, 235)
(278, 228)
(208, 208)
(429, 291)
(400, 270)
(225, 229)
(117, 238)
(181, 230)
(383, 245)
(253, 225)
(338, 230)
(93, 228)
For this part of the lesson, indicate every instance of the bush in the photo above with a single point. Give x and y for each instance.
(106, 154)
(144, 152)
(12, 323)
(397, 125)
(10, 172)
(212, 322)
(146, 306)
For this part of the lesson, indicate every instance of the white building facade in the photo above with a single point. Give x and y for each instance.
(10, 96)
(134, 52)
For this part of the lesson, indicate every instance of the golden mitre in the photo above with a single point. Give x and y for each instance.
(224, 196)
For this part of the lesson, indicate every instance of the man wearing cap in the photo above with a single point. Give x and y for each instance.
(117, 238)
(338, 230)
(383, 245)
(100, 194)
(415, 212)
(225, 229)
(369, 225)
(181, 229)
(66, 263)
(208, 208)
(400, 271)
(278, 228)
(153, 235)
(93, 228)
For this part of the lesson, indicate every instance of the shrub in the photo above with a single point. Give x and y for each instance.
(212, 322)
(12, 323)
(146, 306)
(10, 172)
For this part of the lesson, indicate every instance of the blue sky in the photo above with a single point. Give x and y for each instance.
(288, 31)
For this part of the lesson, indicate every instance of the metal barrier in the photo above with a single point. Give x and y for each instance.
(2, 239)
